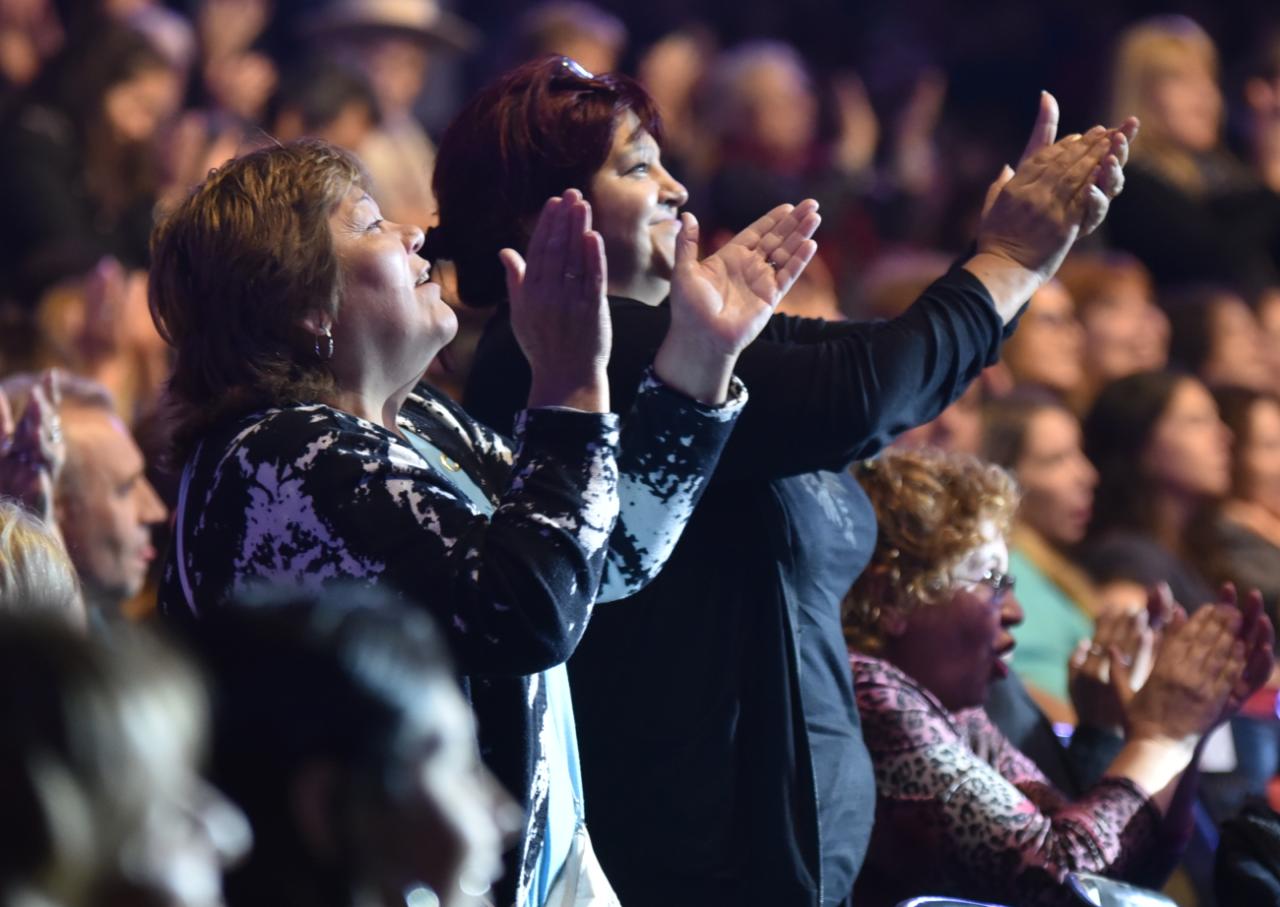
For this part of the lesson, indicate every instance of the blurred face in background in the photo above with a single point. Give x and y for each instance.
(1189, 453)
(1258, 456)
(1125, 332)
(1057, 479)
(136, 108)
(1238, 353)
(1185, 100)
(780, 110)
(1047, 348)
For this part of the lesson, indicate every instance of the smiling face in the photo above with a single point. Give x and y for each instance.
(957, 646)
(1057, 479)
(391, 321)
(634, 206)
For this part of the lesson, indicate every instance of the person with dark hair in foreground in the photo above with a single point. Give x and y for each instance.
(721, 749)
(340, 729)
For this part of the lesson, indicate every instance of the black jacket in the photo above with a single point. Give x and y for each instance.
(722, 757)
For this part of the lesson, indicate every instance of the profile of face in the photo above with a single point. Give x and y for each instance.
(1125, 332)
(1187, 104)
(136, 108)
(1238, 354)
(390, 319)
(1056, 478)
(1189, 452)
(958, 646)
(1047, 348)
(448, 821)
(1258, 456)
(187, 835)
(957, 429)
(635, 206)
(105, 507)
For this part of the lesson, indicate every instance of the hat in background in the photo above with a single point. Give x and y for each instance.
(422, 20)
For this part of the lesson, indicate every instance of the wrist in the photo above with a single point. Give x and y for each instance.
(588, 392)
(1009, 282)
(694, 371)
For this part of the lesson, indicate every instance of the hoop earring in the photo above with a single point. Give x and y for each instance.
(324, 352)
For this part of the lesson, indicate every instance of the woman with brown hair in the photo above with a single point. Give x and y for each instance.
(721, 747)
(302, 323)
(929, 624)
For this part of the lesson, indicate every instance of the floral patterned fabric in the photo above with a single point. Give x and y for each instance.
(308, 495)
(960, 812)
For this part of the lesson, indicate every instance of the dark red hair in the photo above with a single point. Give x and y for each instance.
(542, 128)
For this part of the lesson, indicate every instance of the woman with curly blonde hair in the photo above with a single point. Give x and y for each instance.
(928, 623)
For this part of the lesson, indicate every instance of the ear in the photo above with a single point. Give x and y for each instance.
(892, 621)
(313, 796)
(316, 322)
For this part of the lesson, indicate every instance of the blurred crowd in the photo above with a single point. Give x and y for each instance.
(1137, 404)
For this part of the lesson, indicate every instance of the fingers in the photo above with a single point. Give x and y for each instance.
(993, 191)
(577, 224)
(595, 267)
(542, 229)
(1072, 187)
(1045, 130)
(1160, 605)
(796, 263)
(513, 267)
(751, 236)
(687, 241)
(6, 421)
(1121, 676)
(799, 224)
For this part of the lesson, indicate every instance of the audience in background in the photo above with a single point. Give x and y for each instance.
(1047, 349)
(1215, 336)
(1038, 440)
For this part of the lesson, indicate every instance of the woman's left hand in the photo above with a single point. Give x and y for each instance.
(720, 304)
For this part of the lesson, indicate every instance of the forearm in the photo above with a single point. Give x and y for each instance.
(1156, 765)
(670, 447)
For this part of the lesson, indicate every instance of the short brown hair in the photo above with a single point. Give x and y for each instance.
(930, 510)
(235, 267)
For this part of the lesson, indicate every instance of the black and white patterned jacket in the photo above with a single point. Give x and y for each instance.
(307, 495)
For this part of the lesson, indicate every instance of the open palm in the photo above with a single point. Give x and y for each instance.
(726, 298)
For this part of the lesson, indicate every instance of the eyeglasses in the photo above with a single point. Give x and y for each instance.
(1000, 583)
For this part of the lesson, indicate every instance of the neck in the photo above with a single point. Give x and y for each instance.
(1266, 152)
(1255, 517)
(380, 407)
(647, 289)
(1173, 513)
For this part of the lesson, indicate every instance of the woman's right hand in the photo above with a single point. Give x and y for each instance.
(1205, 665)
(559, 312)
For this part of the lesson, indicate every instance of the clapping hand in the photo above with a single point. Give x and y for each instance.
(32, 450)
(720, 304)
(1208, 665)
(1105, 672)
(1061, 190)
(559, 312)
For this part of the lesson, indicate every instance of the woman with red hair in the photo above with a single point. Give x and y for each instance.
(722, 754)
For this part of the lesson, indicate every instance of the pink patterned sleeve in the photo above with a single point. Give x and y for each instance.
(952, 786)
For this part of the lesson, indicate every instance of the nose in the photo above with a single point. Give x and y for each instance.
(413, 237)
(1010, 611)
(673, 191)
(153, 511)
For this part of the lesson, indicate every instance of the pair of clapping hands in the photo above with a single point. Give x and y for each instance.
(32, 450)
(1060, 190)
(1157, 673)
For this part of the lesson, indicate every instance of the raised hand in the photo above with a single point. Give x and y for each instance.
(720, 304)
(32, 450)
(559, 312)
(1060, 191)
(1104, 672)
(1196, 671)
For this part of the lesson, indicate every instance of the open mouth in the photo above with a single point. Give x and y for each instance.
(423, 277)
